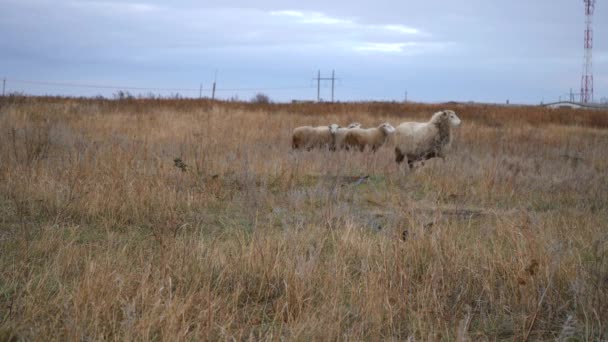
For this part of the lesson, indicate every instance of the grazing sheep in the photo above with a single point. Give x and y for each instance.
(309, 137)
(341, 134)
(372, 137)
(419, 141)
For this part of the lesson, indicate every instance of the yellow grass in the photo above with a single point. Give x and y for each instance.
(194, 220)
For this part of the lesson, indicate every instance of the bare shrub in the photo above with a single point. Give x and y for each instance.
(28, 143)
(260, 98)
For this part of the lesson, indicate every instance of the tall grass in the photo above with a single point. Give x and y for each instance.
(194, 220)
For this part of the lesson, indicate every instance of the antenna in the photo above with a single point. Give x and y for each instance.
(587, 78)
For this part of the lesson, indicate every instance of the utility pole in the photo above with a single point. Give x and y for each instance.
(213, 90)
(200, 92)
(333, 82)
(319, 86)
(333, 77)
(3, 86)
(405, 100)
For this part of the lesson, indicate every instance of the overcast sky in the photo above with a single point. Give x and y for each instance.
(436, 50)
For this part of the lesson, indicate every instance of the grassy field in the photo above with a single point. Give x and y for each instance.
(194, 220)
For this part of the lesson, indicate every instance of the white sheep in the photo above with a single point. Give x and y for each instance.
(419, 141)
(372, 137)
(309, 137)
(341, 134)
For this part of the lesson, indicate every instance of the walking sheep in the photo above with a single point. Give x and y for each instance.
(419, 141)
(309, 137)
(341, 134)
(372, 137)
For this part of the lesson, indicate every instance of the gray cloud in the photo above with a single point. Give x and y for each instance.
(439, 50)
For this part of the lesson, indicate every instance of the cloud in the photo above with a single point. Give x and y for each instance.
(126, 6)
(142, 30)
(117, 8)
(312, 17)
(384, 47)
(405, 48)
(350, 34)
(402, 29)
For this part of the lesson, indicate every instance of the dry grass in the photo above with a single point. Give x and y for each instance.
(193, 220)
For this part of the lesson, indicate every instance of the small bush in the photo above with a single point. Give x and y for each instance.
(261, 98)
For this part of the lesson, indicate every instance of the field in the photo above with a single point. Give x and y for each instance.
(193, 220)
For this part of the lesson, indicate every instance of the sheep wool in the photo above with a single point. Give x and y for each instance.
(308, 137)
(341, 134)
(375, 137)
(419, 141)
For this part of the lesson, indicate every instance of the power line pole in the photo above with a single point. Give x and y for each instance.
(333, 82)
(200, 92)
(213, 90)
(3, 86)
(333, 77)
(405, 100)
(571, 95)
(319, 86)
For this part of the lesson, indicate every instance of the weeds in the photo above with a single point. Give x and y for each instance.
(106, 234)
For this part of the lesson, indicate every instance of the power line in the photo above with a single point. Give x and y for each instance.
(117, 87)
(264, 88)
(97, 86)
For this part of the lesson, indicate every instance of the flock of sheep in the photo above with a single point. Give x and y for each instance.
(414, 141)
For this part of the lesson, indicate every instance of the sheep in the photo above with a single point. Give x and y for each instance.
(420, 141)
(309, 137)
(341, 134)
(372, 137)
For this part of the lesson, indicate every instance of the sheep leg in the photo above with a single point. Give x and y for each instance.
(399, 157)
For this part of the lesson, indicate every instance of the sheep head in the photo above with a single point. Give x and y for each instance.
(387, 128)
(354, 125)
(446, 116)
(333, 128)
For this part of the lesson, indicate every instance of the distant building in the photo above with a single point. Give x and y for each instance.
(564, 104)
(574, 105)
